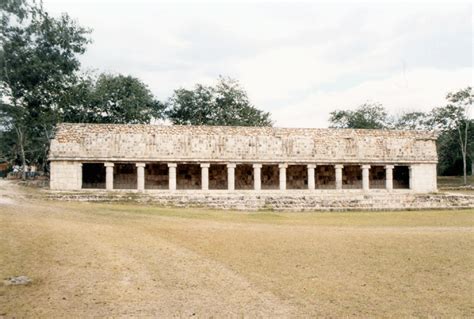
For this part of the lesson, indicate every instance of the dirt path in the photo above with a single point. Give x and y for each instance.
(8, 191)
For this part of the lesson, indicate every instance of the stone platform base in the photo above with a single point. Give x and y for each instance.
(349, 200)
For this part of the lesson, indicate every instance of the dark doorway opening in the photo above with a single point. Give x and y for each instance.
(218, 176)
(188, 176)
(297, 177)
(125, 176)
(270, 177)
(401, 177)
(352, 177)
(325, 177)
(377, 177)
(244, 176)
(93, 175)
(156, 176)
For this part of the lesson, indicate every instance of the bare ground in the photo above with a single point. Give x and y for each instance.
(119, 260)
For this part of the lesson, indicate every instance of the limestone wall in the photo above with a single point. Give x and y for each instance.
(65, 175)
(423, 178)
(103, 142)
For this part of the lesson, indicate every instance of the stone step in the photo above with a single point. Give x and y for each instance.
(277, 201)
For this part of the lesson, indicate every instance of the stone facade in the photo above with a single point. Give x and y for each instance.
(213, 158)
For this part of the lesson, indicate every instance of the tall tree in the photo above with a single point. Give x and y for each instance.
(456, 116)
(110, 99)
(225, 104)
(365, 116)
(38, 60)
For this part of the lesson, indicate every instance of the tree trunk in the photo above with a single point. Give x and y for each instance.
(464, 157)
(22, 152)
(464, 167)
(463, 144)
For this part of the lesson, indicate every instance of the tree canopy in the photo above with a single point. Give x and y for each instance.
(455, 119)
(225, 104)
(367, 115)
(38, 60)
(110, 99)
(41, 83)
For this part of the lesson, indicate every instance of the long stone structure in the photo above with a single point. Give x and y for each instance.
(149, 158)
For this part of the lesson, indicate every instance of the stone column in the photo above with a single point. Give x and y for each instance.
(338, 176)
(172, 176)
(311, 181)
(389, 177)
(257, 179)
(410, 177)
(365, 177)
(79, 176)
(140, 176)
(109, 176)
(205, 176)
(282, 168)
(231, 176)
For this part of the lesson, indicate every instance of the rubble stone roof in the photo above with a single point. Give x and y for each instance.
(237, 143)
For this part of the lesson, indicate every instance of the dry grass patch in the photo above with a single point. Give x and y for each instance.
(89, 259)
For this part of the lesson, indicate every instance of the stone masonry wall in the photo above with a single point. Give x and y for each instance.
(240, 144)
(65, 175)
(423, 177)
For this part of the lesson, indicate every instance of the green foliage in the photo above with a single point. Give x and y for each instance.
(225, 104)
(40, 83)
(366, 116)
(38, 60)
(455, 119)
(110, 99)
(17, 9)
(450, 162)
(412, 121)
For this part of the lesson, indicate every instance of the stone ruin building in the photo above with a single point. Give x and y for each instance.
(209, 159)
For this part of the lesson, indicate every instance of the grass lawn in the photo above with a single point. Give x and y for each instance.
(89, 259)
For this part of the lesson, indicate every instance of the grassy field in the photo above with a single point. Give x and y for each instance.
(124, 260)
(454, 181)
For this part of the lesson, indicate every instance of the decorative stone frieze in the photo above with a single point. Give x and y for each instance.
(241, 144)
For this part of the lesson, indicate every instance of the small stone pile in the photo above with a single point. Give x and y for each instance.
(19, 280)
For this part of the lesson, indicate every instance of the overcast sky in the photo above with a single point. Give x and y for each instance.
(297, 60)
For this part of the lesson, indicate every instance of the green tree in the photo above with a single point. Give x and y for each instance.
(40, 83)
(456, 116)
(225, 104)
(412, 121)
(38, 60)
(110, 99)
(365, 116)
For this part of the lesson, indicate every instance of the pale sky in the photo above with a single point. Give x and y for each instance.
(297, 60)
